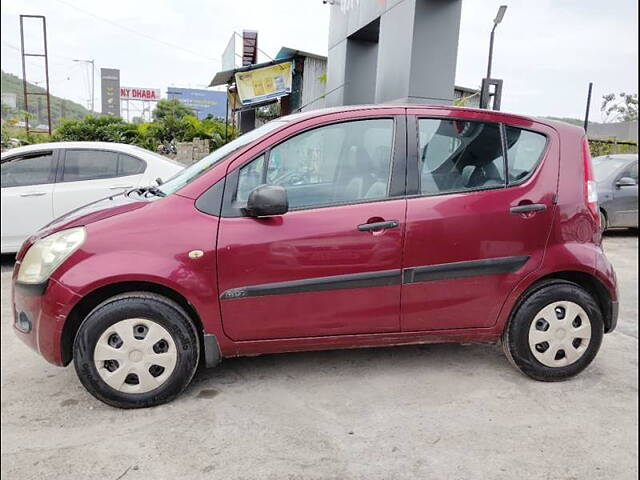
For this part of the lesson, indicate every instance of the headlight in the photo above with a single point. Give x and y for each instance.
(48, 253)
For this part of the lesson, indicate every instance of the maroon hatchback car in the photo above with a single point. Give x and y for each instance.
(353, 227)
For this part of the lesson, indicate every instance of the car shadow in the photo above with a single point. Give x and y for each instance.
(7, 262)
(449, 359)
(621, 232)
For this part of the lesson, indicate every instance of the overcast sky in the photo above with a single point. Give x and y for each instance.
(547, 51)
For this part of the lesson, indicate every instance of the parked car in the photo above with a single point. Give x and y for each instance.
(44, 181)
(617, 177)
(353, 227)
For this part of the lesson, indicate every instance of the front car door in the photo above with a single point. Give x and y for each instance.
(476, 224)
(87, 175)
(27, 188)
(624, 206)
(318, 270)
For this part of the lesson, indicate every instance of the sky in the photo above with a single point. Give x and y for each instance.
(546, 51)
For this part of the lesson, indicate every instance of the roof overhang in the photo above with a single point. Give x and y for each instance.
(226, 77)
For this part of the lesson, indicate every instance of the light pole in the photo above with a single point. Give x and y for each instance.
(496, 22)
(93, 85)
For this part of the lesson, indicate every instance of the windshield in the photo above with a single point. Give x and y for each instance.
(604, 167)
(192, 172)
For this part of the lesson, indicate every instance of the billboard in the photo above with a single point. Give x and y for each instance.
(110, 91)
(204, 102)
(264, 83)
(133, 93)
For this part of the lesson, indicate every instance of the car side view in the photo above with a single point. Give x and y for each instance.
(44, 181)
(617, 183)
(353, 227)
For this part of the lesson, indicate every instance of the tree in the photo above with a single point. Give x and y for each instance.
(624, 108)
(96, 129)
(171, 109)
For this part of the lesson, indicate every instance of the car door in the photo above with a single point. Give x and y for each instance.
(475, 225)
(87, 175)
(624, 205)
(27, 188)
(322, 268)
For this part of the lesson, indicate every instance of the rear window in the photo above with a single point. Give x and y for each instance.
(524, 151)
(81, 165)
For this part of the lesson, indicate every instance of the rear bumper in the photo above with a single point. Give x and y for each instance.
(39, 313)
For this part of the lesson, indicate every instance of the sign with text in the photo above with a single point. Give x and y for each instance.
(133, 93)
(204, 102)
(264, 83)
(110, 91)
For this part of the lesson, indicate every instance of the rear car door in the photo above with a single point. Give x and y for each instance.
(86, 175)
(476, 224)
(322, 268)
(27, 188)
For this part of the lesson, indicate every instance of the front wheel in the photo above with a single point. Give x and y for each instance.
(136, 350)
(555, 332)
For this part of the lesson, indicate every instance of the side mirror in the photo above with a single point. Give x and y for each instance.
(267, 200)
(626, 182)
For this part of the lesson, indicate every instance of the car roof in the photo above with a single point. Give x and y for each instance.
(500, 115)
(118, 147)
(619, 156)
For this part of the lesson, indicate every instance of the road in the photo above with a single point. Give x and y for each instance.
(435, 411)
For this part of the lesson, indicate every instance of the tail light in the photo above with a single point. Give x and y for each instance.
(590, 190)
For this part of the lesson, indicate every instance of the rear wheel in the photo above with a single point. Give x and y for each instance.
(136, 350)
(604, 224)
(555, 332)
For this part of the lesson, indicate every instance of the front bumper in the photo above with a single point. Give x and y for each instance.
(39, 314)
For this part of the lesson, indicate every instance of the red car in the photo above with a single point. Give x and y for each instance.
(353, 227)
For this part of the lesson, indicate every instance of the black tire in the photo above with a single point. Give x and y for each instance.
(155, 308)
(604, 222)
(515, 340)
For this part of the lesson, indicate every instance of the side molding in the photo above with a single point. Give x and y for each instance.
(427, 273)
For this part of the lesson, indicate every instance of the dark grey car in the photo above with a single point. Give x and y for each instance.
(617, 178)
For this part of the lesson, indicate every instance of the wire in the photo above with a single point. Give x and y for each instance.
(126, 29)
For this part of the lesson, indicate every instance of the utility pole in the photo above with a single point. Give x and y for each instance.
(93, 80)
(24, 69)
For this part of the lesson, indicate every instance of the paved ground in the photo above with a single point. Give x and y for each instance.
(440, 411)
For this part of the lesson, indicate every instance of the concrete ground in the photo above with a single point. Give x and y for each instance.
(437, 411)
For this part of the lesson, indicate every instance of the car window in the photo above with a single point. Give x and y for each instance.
(524, 151)
(604, 167)
(338, 163)
(89, 165)
(458, 155)
(631, 172)
(25, 170)
(128, 165)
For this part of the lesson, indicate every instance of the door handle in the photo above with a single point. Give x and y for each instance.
(367, 227)
(528, 208)
(118, 187)
(33, 194)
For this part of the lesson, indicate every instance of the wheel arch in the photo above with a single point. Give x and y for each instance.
(585, 280)
(94, 298)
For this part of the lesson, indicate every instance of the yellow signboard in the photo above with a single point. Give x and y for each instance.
(264, 83)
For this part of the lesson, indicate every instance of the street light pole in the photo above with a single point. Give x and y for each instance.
(496, 22)
(93, 83)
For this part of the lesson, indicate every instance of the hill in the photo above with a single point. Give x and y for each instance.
(60, 107)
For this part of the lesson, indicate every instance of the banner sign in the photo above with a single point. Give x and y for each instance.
(229, 54)
(110, 91)
(132, 93)
(261, 84)
(203, 102)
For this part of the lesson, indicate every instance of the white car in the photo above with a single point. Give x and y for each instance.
(44, 181)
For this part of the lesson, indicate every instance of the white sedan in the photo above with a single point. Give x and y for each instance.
(44, 181)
